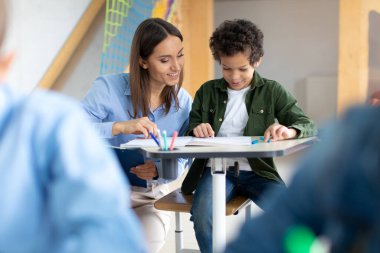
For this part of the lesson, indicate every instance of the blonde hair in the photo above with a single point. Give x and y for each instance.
(3, 21)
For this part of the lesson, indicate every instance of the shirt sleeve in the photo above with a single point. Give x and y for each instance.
(88, 195)
(290, 114)
(96, 105)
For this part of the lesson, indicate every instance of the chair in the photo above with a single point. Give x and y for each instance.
(179, 203)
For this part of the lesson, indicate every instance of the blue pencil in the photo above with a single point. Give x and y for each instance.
(154, 138)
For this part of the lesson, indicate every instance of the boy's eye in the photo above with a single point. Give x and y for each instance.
(242, 70)
(163, 60)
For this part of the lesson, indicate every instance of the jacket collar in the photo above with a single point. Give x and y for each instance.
(257, 81)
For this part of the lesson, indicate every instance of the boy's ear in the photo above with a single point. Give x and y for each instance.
(258, 62)
(143, 63)
(6, 61)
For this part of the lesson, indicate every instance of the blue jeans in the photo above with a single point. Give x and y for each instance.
(247, 184)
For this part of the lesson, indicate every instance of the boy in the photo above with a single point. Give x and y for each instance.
(241, 103)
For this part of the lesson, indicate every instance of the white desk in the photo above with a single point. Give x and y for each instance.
(169, 160)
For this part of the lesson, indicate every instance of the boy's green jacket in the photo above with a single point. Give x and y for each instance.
(266, 101)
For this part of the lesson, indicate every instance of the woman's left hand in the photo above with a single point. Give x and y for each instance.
(278, 132)
(146, 171)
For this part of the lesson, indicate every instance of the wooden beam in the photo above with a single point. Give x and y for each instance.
(353, 51)
(71, 44)
(197, 27)
(374, 5)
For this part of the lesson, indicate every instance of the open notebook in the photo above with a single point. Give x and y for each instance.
(193, 141)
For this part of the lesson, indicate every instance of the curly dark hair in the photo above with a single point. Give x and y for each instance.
(235, 36)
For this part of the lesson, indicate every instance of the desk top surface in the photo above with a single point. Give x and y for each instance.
(272, 149)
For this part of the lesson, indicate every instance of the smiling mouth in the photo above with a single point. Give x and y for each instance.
(173, 75)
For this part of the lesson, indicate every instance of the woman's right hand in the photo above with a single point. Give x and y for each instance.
(136, 126)
(203, 130)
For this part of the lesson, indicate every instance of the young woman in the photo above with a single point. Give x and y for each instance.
(150, 97)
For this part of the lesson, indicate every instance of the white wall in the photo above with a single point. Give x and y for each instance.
(37, 31)
(374, 52)
(84, 66)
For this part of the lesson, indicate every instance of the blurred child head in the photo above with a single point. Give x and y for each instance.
(5, 58)
(375, 98)
(3, 22)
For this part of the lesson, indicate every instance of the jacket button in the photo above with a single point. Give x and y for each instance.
(225, 101)
(220, 119)
(261, 111)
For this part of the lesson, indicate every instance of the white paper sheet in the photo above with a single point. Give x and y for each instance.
(193, 141)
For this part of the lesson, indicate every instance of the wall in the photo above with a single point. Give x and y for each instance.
(37, 31)
(300, 37)
(374, 52)
(84, 66)
(300, 41)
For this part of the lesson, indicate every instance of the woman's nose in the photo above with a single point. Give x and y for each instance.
(176, 65)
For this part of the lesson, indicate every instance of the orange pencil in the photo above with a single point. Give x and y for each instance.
(173, 140)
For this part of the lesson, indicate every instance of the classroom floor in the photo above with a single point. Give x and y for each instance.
(286, 166)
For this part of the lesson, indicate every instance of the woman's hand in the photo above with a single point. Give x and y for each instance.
(135, 126)
(203, 130)
(278, 132)
(146, 171)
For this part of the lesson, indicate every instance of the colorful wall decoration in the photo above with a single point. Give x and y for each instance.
(121, 20)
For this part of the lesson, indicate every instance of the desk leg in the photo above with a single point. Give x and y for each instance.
(218, 171)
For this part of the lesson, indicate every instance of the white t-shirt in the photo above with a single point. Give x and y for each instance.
(235, 120)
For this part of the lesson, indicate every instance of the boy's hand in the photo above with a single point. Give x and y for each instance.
(278, 132)
(203, 130)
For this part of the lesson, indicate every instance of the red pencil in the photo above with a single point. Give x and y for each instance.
(173, 140)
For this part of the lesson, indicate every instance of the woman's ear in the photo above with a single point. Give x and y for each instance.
(143, 63)
(6, 61)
